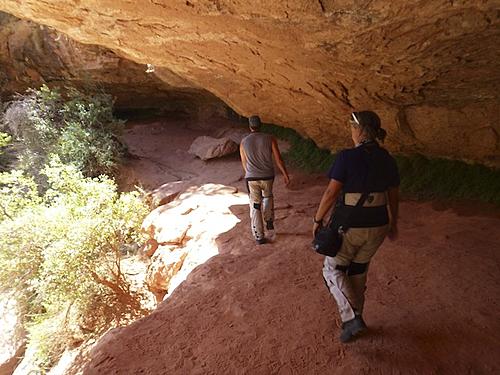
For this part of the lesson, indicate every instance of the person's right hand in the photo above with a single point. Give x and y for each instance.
(286, 178)
(316, 227)
(393, 232)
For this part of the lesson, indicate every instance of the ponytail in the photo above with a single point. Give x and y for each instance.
(381, 134)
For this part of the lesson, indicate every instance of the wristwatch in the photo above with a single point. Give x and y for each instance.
(317, 221)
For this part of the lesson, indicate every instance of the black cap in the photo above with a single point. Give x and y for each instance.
(254, 122)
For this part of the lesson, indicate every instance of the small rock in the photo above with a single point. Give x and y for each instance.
(208, 148)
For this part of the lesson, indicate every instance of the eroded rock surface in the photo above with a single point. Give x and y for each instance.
(207, 148)
(32, 54)
(185, 230)
(431, 69)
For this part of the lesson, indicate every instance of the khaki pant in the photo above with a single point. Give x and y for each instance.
(359, 246)
(261, 205)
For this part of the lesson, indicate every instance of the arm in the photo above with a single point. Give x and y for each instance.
(329, 197)
(279, 161)
(393, 195)
(243, 158)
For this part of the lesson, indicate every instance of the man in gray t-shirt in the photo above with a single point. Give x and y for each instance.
(257, 153)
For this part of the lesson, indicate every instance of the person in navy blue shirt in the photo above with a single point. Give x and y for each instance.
(366, 168)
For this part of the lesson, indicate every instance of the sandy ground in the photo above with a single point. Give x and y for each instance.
(432, 299)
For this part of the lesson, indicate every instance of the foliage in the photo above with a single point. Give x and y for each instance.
(303, 152)
(77, 127)
(61, 253)
(5, 141)
(428, 178)
(17, 191)
(421, 177)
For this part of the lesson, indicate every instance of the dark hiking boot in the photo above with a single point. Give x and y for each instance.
(352, 328)
(261, 241)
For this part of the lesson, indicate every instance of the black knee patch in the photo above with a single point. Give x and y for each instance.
(341, 268)
(256, 206)
(357, 268)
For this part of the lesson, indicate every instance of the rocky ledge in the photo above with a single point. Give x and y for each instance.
(431, 69)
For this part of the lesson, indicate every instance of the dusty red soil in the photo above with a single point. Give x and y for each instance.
(432, 297)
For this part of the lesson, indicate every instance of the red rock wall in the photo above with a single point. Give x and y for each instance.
(430, 68)
(32, 54)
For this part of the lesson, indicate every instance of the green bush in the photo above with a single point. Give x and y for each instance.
(303, 153)
(424, 177)
(5, 141)
(79, 128)
(60, 253)
(421, 177)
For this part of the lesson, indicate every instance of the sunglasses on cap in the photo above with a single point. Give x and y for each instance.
(354, 119)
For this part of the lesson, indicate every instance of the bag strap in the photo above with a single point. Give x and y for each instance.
(359, 204)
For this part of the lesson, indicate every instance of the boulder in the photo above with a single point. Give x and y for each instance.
(182, 233)
(208, 147)
(234, 134)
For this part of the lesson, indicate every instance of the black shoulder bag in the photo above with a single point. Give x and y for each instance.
(328, 239)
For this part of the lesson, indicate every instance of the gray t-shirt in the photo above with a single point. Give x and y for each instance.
(259, 153)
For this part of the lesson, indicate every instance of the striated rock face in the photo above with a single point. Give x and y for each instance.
(31, 55)
(430, 68)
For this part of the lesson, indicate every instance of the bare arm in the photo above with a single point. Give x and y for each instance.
(243, 158)
(327, 200)
(279, 161)
(393, 195)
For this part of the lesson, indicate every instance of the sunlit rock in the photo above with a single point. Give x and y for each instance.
(12, 335)
(165, 264)
(207, 148)
(185, 230)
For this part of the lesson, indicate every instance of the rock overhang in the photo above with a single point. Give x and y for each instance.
(431, 70)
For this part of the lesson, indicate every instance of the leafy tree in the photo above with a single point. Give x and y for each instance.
(79, 128)
(60, 253)
(5, 141)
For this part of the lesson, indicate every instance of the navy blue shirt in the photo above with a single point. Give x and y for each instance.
(351, 167)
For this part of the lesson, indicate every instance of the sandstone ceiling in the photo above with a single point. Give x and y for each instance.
(430, 68)
(31, 55)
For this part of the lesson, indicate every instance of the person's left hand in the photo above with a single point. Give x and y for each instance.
(286, 178)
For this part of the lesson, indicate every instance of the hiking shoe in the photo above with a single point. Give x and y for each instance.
(352, 328)
(269, 225)
(261, 241)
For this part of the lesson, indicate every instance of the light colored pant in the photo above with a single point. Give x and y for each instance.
(261, 205)
(359, 246)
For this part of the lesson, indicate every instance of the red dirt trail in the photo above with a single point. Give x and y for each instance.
(432, 299)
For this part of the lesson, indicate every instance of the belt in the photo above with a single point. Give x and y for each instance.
(373, 199)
